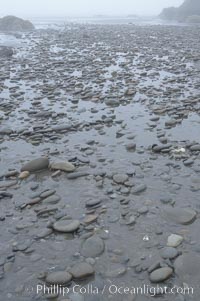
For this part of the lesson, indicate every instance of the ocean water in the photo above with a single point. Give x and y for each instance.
(55, 22)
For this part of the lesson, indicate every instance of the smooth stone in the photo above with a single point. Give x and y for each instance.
(169, 253)
(143, 210)
(61, 127)
(112, 102)
(187, 266)
(160, 148)
(47, 193)
(195, 147)
(183, 216)
(66, 226)
(92, 203)
(92, 247)
(52, 199)
(174, 240)
(24, 175)
(61, 278)
(188, 162)
(90, 218)
(161, 274)
(5, 184)
(56, 173)
(36, 165)
(170, 122)
(120, 178)
(131, 147)
(64, 166)
(81, 270)
(44, 233)
(139, 188)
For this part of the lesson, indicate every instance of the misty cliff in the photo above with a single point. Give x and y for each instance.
(12, 23)
(189, 11)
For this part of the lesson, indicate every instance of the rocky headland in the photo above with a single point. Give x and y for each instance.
(12, 23)
(189, 11)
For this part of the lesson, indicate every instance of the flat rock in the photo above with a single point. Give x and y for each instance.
(161, 274)
(93, 202)
(36, 165)
(61, 278)
(61, 127)
(66, 226)
(47, 193)
(44, 233)
(81, 270)
(92, 247)
(183, 216)
(64, 166)
(77, 175)
(90, 218)
(5, 184)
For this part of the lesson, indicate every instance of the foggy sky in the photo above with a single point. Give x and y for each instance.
(83, 7)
